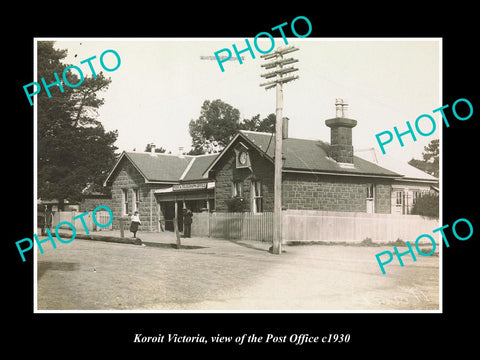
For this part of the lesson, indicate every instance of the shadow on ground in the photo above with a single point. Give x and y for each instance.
(43, 266)
(172, 246)
(248, 246)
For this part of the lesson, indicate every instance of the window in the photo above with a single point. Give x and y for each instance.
(370, 191)
(136, 200)
(370, 196)
(416, 195)
(399, 197)
(237, 189)
(125, 201)
(257, 198)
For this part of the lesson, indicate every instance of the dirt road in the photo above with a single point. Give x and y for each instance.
(216, 274)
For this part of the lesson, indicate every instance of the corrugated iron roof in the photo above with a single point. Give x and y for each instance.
(312, 155)
(159, 167)
(409, 171)
(198, 167)
(301, 155)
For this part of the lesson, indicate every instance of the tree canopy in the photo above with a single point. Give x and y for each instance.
(159, 150)
(75, 152)
(217, 125)
(430, 163)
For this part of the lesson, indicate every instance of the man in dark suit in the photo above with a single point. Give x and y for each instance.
(187, 223)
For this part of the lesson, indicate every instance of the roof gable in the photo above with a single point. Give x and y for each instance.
(166, 168)
(158, 166)
(198, 166)
(260, 143)
(303, 155)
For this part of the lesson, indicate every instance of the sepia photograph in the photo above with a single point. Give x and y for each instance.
(227, 175)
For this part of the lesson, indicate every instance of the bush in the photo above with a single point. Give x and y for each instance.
(427, 205)
(367, 242)
(235, 204)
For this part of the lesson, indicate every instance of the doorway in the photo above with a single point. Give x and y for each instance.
(168, 210)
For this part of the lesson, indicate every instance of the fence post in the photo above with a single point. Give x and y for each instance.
(120, 222)
(91, 223)
(177, 234)
(208, 222)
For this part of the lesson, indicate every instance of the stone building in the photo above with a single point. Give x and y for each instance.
(159, 186)
(315, 175)
(405, 190)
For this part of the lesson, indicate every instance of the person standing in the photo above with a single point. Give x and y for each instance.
(135, 222)
(48, 218)
(187, 223)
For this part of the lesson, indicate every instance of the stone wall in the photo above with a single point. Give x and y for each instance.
(227, 173)
(300, 191)
(383, 198)
(129, 178)
(332, 193)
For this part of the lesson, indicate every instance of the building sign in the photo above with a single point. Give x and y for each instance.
(182, 187)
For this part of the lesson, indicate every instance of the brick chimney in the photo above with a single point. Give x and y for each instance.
(341, 149)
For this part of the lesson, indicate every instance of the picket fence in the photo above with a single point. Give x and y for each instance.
(308, 225)
(102, 217)
(235, 226)
(297, 226)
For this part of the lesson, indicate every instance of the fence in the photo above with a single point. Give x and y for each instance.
(298, 225)
(245, 226)
(102, 217)
(308, 225)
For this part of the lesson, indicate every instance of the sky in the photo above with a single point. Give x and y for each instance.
(162, 83)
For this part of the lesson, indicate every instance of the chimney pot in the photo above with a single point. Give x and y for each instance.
(338, 107)
(345, 110)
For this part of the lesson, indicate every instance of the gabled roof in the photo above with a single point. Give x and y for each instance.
(312, 155)
(165, 168)
(303, 155)
(410, 172)
(197, 166)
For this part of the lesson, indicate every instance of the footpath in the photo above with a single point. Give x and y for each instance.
(163, 239)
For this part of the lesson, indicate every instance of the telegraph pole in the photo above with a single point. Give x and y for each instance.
(279, 75)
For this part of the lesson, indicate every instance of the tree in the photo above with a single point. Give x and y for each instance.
(160, 150)
(255, 124)
(217, 125)
(427, 205)
(430, 162)
(74, 150)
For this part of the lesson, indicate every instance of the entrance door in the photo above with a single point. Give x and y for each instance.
(398, 202)
(168, 209)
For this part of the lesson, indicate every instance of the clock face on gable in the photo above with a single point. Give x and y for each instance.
(242, 157)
